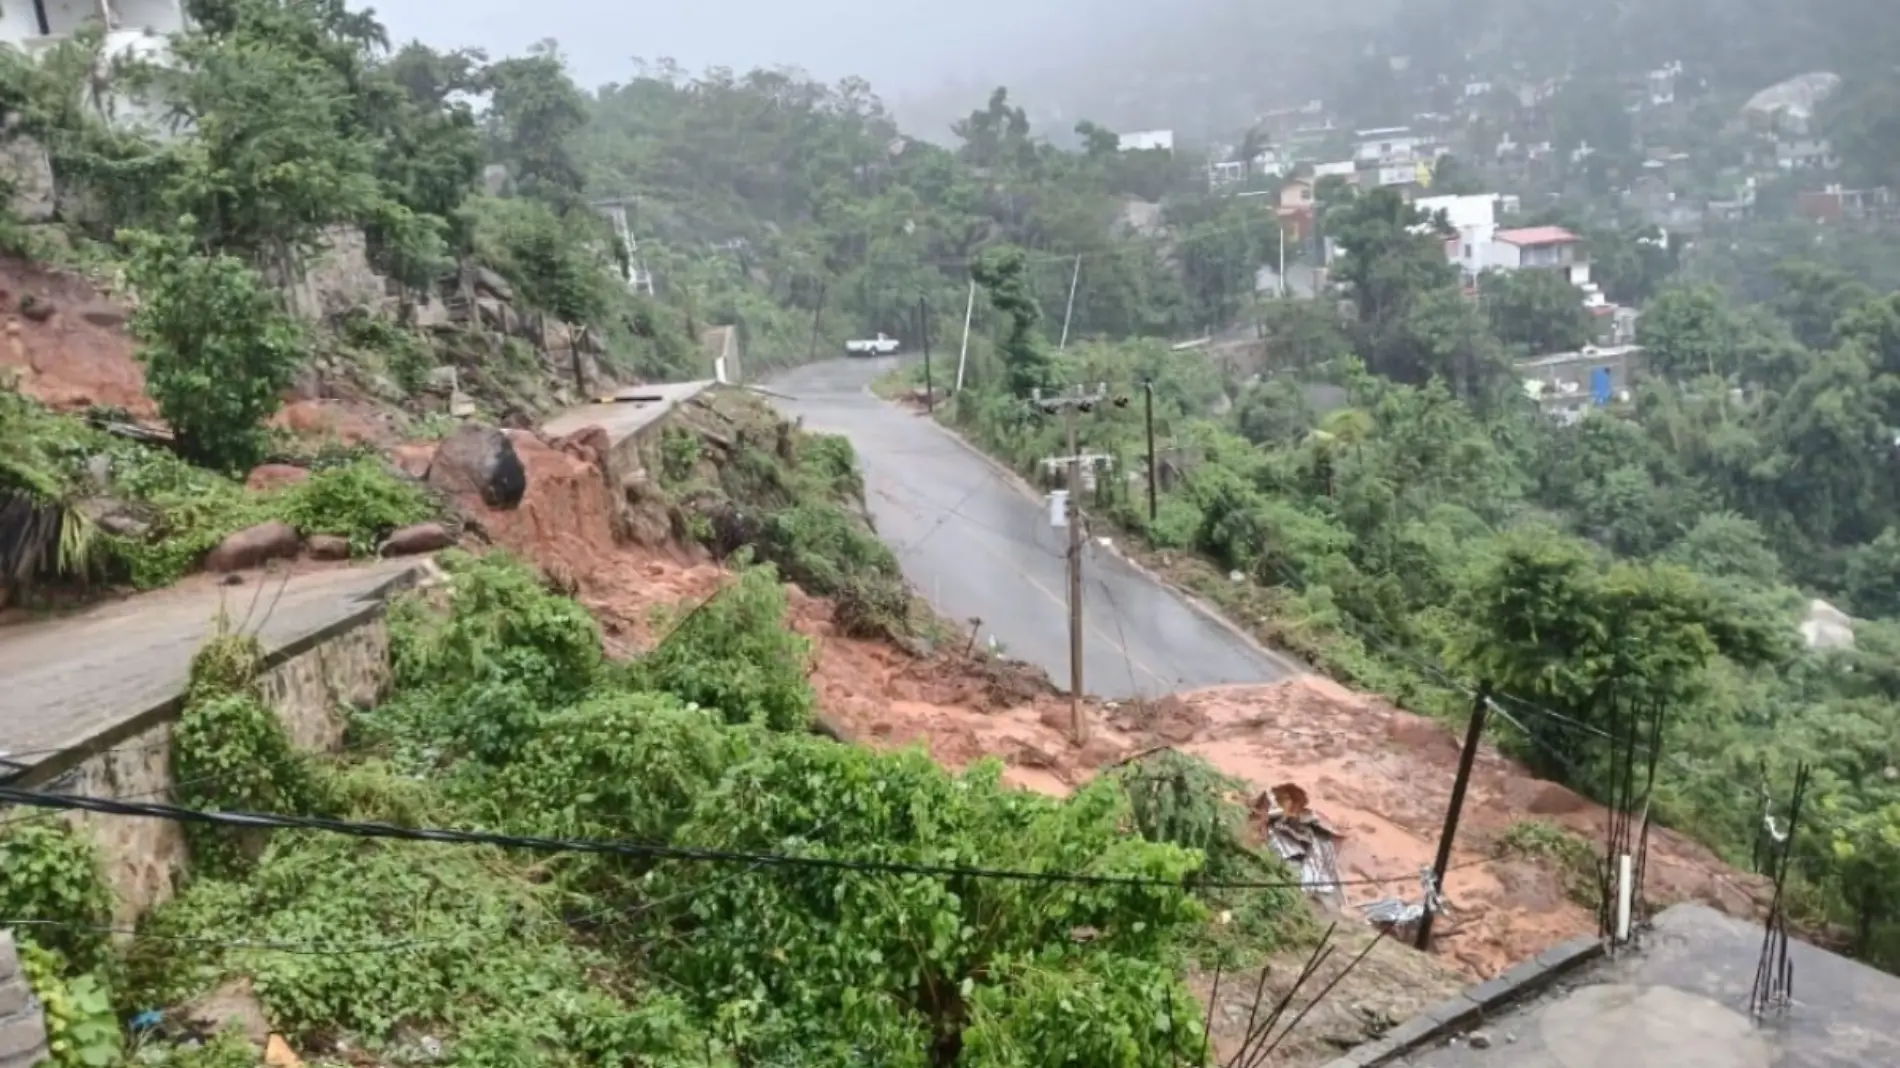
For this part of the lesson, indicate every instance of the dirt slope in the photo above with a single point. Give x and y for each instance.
(65, 344)
(1380, 775)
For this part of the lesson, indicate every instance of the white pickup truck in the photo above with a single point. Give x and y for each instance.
(877, 346)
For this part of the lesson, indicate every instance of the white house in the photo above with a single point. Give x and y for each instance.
(1546, 248)
(35, 24)
(1661, 83)
(136, 30)
(1222, 170)
(1474, 219)
(1389, 144)
(1144, 140)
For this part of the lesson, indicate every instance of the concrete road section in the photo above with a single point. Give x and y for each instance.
(67, 681)
(628, 412)
(1680, 1000)
(975, 545)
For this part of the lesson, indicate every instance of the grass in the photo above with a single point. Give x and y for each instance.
(1574, 858)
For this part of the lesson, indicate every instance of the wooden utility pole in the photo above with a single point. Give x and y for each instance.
(923, 328)
(1078, 724)
(1148, 392)
(1070, 406)
(1474, 732)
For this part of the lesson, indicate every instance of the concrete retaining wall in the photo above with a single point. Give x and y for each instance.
(22, 1027)
(1470, 1007)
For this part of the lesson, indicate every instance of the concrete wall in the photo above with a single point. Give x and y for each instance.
(22, 1028)
(307, 688)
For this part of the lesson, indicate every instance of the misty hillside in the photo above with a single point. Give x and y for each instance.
(1207, 68)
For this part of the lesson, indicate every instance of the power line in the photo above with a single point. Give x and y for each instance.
(645, 850)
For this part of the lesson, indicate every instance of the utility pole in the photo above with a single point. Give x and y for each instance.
(817, 316)
(1473, 733)
(1074, 277)
(1070, 405)
(923, 328)
(1148, 390)
(1282, 260)
(963, 355)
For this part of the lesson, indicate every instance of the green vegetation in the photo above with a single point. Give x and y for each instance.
(792, 499)
(1410, 524)
(1393, 508)
(117, 510)
(505, 716)
(1575, 858)
(217, 351)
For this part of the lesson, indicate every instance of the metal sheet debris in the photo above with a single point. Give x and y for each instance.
(1302, 838)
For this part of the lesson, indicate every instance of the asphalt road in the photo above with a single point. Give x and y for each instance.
(976, 545)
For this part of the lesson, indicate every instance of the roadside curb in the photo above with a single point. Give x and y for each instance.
(1462, 1010)
(1195, 603)
(1212, 613)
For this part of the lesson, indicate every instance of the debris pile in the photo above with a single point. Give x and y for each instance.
(1302, 838)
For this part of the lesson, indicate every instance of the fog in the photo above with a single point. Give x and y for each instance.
(902, 48)
(929, 61)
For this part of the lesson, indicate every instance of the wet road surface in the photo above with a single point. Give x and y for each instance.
(975, 545)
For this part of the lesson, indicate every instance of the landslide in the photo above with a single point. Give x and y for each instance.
(723, 474)
(642, 537)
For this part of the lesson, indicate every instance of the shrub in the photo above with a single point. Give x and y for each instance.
(217, 350)
(361, 501)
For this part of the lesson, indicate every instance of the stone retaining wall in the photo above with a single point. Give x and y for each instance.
(22, 1027)
(308, 688)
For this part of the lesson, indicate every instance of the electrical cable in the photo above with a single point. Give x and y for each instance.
(257, 820)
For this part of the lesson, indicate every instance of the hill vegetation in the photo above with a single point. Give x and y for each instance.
(1428, 530)
(1391, 505)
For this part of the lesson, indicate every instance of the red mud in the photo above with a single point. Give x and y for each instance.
(76, 356)
(1379, 775)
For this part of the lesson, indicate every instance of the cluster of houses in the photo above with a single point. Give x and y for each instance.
(1479, 239)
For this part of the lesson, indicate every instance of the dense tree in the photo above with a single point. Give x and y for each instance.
(1025, 360)
(1538, 311)
(534, 111)
(1688, 331)
(1391, 253)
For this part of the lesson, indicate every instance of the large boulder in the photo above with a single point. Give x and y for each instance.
(418, 538)
(480, 460)
(267, 477)
(328, 547)
(253, 546)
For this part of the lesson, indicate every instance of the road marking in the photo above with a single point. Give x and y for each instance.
(1063, 603)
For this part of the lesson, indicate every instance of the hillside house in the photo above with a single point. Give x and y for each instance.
(1565, 385)
(1541, 248)
(1344, 168)
(1805, 154)
(136, 31)
(1474, 222)
(34, 26)
(1835, 204)
(1389, 144)
(1146, 140)
(1660, 84)
(1224, 170)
